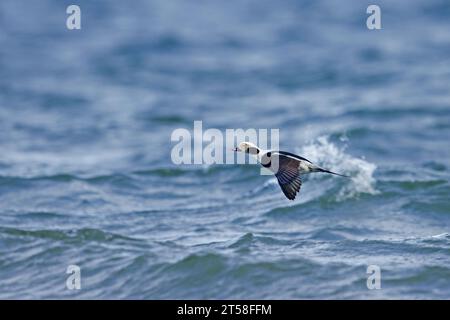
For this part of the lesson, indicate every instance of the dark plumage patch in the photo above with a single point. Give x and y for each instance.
(293, 155)
(288, 176)
(290, 189)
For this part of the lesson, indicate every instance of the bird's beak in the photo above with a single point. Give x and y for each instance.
(235, 150)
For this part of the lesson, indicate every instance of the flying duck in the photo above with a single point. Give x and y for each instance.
(286, 166)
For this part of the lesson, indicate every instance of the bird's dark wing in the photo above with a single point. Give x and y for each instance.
(287, 174)
(292, 155)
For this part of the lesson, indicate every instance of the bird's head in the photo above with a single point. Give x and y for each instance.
(247, 147)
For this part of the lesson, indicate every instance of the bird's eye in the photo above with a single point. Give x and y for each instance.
(269, 154)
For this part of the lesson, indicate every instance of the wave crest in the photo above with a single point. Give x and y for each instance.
(333, 158)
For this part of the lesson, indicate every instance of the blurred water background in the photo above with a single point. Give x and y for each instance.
(86, 176)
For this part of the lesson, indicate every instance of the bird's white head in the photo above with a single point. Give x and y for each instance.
(248, 147)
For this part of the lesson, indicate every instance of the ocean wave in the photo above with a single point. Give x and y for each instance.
(248, 239)
(59, 177)
(396, 112)
(435, 276)
(80, 235)
(200, 170)
(206, 264)
(168, 119)
(418, 184)
(328, 155)
(164, 172)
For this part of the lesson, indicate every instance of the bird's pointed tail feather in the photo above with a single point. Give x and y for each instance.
(328, 171)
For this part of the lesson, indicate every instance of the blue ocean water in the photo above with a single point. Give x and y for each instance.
(86, 176)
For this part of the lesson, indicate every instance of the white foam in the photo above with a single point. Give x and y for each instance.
(441, 236)
(327, 155)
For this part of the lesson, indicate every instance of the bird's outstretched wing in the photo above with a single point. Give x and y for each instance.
(287, 174)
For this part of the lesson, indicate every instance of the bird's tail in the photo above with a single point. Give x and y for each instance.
(328, 171)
